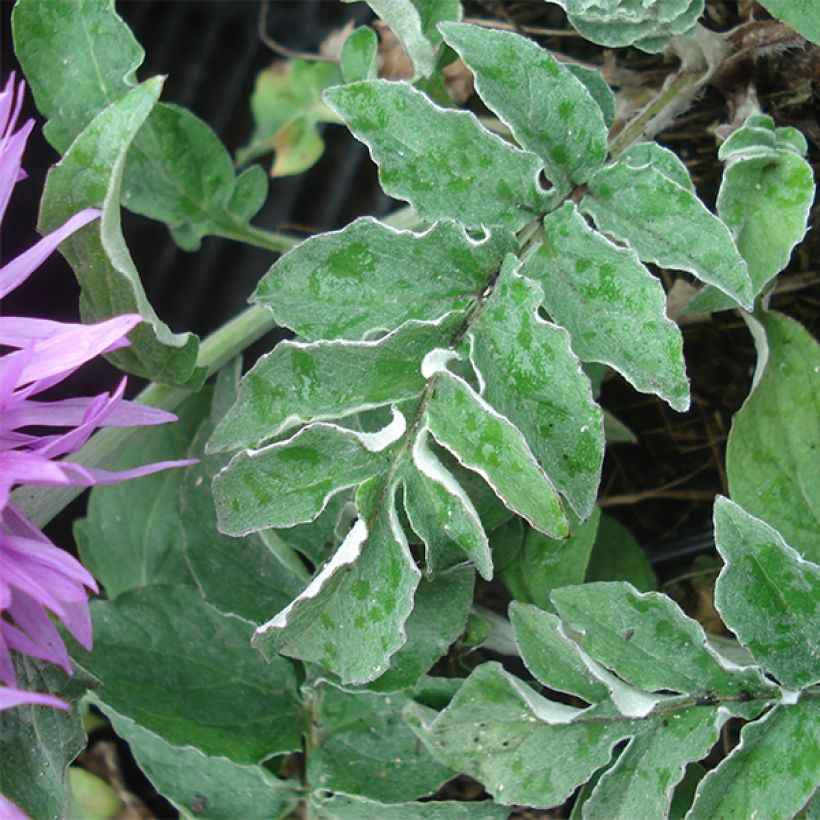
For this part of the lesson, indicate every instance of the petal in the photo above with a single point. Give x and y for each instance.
(34, 621)
(48, 555)
(18, 270)
(72, 411)
(11, 156)
(20, 642)
(10, 698)
(94, 475)
(7, 673)
(77, 621)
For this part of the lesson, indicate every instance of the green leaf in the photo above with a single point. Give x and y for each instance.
(668, 225)
(347, 284)
(359, 57)
(801, 15)
(647, 25)
(37, 743)
(442, 514)
(350, 618)
(441, 161)
(92, 796)
(286, 105)
(547, 564)
(530, 374)
(160, 656)
(772, 773)
(598, 89)
(177, 170)
(299, 383)
(549, 111)
(648, 641)
(132, 534)
(199, 784)
(661, 159)
(90, 174)
(612, 306)
(344, 807)
(553, 659)
(290, 482)
(768, 596)
(617, 556)
(487, 443)
(771, 454)
(362, 746)
(441, 607)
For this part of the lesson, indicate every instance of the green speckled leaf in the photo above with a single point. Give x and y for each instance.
(487, 443)
(768, 596)
(362, 746)
(774, 444)
(345, 807)
(668, 225)
(531, 376)
(647, 640)
(370, 277)
(359, 57)
(350, 618)
(612, 306)
(441, 161)
(772, 773)
(549, 110)
(298, 383)
(290, 482)
(661, 159)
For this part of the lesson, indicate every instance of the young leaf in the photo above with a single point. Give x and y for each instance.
(90, 174)
(648, 641)
(290, 482)
(195, 782)
(668, 225)
(350, 618)
(160, 656)
(441, 161)
(299, 383)
(132, 534)
(362, 746)
(347, 284)
(287, 105)
(359, 57)
(549, 111)
(768, 596)
(530, 374)
(598, 89)
(772, 773)
(771, 455)
(489, 444)
(661, 159)
(37, 743)
(612, 306)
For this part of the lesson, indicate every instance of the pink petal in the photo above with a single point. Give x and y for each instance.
(32, 468)
(77, 621)
(18, 270)
(95, 475)
(48, 555)
(69, 347)
(30, 617)
(72, 411)
(7, 673)
(10, 698)
(21, 642)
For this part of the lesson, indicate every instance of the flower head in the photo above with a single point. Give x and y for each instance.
(39, 581)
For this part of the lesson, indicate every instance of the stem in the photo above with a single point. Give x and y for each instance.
(40, 504)
(260, 238)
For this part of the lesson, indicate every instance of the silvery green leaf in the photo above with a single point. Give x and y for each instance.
(660, 158)
(598, 89)
(299, 383)
(369, 278)
(529, 373)
(772, 773)
(612, 306)
(648, 642)
(549, 110)
(768, 596)
(359, 57)
(488, 443)
(291, 481)
(550, 656)
(771, 454)
(441, 161)
(350, 618)
(347, 807)
(668, 225)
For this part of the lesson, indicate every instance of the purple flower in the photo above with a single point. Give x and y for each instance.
(39, 581)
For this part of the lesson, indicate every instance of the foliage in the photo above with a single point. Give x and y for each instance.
(433, 423)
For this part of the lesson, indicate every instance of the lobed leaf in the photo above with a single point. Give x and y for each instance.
(612, 306)
(771, 454)
(529, 374)
(371, 278)
(441, 161)
(768, 596)
(90, 174)
(668, 225)
(549, 110)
